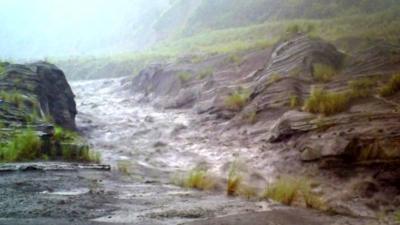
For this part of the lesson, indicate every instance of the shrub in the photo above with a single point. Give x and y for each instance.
(361, 88)
(323, 72)
(391, 87)
(287, 190)
(325, 102)
(237, 99)
(23, 147)
(184, 76)
(205, 73)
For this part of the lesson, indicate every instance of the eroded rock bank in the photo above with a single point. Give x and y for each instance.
(308, 108)
(37, 101)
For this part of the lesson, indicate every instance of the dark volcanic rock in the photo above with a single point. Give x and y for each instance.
(36, 97)
(44, 90)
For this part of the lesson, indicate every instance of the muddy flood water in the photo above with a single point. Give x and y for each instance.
(146, 148)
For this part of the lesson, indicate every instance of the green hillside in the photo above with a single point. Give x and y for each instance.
(209, 27)
(220, 14)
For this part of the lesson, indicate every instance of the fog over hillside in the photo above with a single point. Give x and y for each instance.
(56, 28)
(38, 29)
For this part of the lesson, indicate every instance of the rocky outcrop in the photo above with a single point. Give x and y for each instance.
(37, 90)
(34, 98)
(269, 89)
(276, 77)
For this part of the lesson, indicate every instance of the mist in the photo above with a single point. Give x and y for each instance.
(38, 29)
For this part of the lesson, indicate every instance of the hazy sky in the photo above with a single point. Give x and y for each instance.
(41, 28)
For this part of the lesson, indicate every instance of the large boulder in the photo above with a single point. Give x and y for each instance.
(43, 90)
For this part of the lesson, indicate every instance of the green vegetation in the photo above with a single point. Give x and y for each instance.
(234, 58)
(61, 134)
(237, 100)
(288, 190)
(392, 87)
(184, 76)
(24, 146)
(234, 180)
(397, 216)
(273, 78)
(72, 147)
(79, 153)
(323, 72)
(197, 179)
(326, 102)
(294, 101)
(12, 97)
(2, 69)
(362, 88)
(205, 73)
(214, 29)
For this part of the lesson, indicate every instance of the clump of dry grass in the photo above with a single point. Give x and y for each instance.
(326, 102)
(392, 87)
(184, 76)
(237, 100)
(197, 179)
(361, 88)
(323, 72)
(234, 180)
(294, 101)
(288, 190)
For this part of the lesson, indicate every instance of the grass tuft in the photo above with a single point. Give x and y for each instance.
(2, 69)
(284, 190)
(61, 134)
(12, 97)
(323, 72)
(23, 147)
(234, 58)
(184, 76)
(237, 100)
(234, 181)
(361, 88)
(205, 73)
(197, 179)
(288, 190)
(294, 101)
(326, 102)
(392, 87)
(397, 216)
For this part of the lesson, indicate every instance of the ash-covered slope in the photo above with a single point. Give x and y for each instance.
(304, 100)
